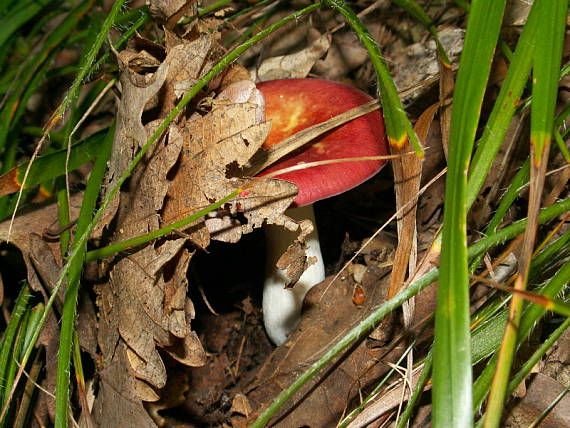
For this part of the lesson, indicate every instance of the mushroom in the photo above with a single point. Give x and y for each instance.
(293, 105)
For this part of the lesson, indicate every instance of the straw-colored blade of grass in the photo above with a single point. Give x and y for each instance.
(546, 63)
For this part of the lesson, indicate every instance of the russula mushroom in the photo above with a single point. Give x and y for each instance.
(293, 105)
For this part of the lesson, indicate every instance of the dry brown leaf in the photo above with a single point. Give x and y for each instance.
(161, 10)
(137, 284)
(293, 65)
(144, 305)
(418, 64)
(114, 405)
(344, 55)
(137, 90)
(240, 405)
(541, 393)
(293, 261)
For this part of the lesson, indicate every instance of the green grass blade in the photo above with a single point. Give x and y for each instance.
(33, 321)
(559, 138)
(559, 307)
(51, 44)
(68, 320)
(142, 19)
(113, 249)
(18, 16)
(12, 367)
(551, 256)
(89, 59)
(398, 126)
(452, 402)
(13, 111)
(50, 166)
(504, 108)
(20, 307)
(509, 197)
(547, 58)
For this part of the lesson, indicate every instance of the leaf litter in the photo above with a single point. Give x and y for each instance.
(149, 314)
(145, 317)
(144, 305)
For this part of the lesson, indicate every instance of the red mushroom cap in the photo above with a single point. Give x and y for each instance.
(295, 104)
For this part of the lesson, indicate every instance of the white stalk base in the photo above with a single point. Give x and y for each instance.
(281, 306)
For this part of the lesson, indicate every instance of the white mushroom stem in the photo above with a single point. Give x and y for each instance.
(282, 306)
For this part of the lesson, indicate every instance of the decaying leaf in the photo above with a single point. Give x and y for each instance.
(344, 55)
(144, 305)
(293, 261)
(294, 65)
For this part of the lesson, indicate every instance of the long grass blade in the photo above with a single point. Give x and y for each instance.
(547, 59)
(50, 166)
(504, 108)
(398, 126)
(18, 16)
(452, 405)
(20, 307)
(68, 320)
